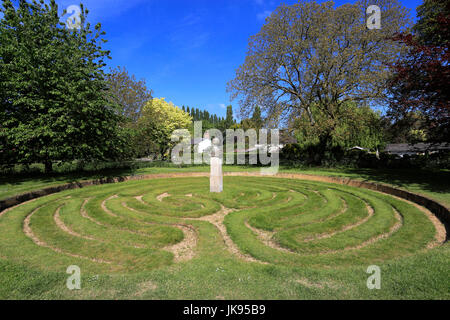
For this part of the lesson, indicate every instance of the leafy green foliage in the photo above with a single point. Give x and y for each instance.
(257, 118)
(209, 121)
(410, 128)
(354, 126)
(52, 101)
(429, 28)
(158, 121)
(327, 141)
(229, 121)
(128, 92)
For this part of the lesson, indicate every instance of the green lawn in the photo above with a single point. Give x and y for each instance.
(262, 238)
(435, 184)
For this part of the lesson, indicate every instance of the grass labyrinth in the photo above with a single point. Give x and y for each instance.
(144, 225)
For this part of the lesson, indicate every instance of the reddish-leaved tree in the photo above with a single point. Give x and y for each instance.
(421, 80)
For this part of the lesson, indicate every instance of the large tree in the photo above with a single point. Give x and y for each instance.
(421, 77)
(52, 101)
(432, 24)
(314, 56)
(128, 93)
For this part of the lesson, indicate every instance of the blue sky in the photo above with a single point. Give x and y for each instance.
(185, 50)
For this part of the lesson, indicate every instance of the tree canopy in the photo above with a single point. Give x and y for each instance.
(158, 121)
(421, 76)
(52, 93)
(127, 92)
(359, 126)
(312, 59)
(432, 24)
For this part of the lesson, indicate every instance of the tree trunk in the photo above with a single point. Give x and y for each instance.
(48, 167)
(310, 115)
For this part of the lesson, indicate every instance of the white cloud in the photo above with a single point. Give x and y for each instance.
(216, 105)
(196, 40)
(189, 20)
(263, 15)
(190, 27)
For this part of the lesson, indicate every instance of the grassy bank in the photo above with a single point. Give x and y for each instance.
(432, 183)
(303, 240)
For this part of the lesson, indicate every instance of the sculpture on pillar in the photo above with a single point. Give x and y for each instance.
(216, 176)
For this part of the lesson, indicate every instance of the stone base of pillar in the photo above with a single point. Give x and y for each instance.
(216, 176)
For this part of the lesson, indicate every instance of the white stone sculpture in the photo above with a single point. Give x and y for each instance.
(216, 176)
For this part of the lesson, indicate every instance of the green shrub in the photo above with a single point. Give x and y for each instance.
(313, 155)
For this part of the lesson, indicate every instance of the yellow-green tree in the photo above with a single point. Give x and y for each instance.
(158, 121)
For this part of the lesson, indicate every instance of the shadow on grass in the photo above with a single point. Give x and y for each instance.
(435, 181)
(17, 184)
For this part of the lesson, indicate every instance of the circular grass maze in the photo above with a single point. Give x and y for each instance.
(146, 224)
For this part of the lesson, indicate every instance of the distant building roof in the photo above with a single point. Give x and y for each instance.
(405, 148)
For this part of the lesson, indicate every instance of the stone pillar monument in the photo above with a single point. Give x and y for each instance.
(216, 176)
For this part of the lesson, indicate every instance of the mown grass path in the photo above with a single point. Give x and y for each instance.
(174, 229)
